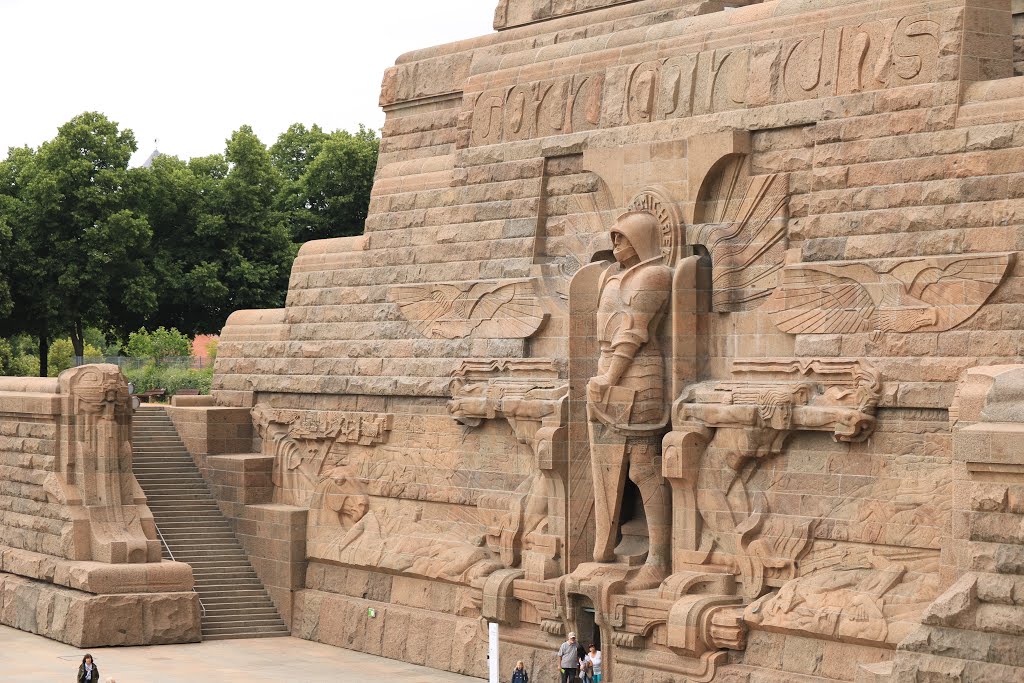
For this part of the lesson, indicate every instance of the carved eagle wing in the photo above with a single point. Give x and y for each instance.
(813, 301)
(502, 309)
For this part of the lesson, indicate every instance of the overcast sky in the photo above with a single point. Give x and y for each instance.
(189, 72)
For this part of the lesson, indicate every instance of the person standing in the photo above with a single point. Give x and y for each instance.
(592, 664)
(569, 659)
(87, 671)
(519, 674)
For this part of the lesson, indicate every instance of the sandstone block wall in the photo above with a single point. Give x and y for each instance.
(79, 557)
(833, 195)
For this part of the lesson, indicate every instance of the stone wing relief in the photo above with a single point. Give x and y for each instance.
(489, 309)
(931, 294)
(741, 221)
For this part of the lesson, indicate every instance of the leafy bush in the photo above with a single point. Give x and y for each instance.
(211, 350)
(160, 343)
(25, 366)
(6, 357)
(152, 376)
(62, 356)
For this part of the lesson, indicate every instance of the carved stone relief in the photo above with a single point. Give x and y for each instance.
(300, 440)
(839, 60)
(529, 529)
(95, 473)
(491, 309)
(347, 524)
(741, 221)
(930, 294)
(722, 431)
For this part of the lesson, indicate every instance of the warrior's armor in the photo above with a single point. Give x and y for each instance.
(626, 403)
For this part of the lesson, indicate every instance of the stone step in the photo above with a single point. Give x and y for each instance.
(227, 584)
(232, 621)
(231, 635)
(222, 574)
(235, 602)
(209, 522)
(167, 492)
(221, 567)
(214, 593)
(241, 602)
(189, 519)
(254, 612)
(198, 555)
(170, 485)
(202, 545)
(187, 535)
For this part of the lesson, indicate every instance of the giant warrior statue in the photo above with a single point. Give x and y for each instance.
(626, 401)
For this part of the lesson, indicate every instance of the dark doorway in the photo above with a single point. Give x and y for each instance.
(587, 630)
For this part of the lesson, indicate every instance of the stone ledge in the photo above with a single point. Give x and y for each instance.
(97, 577)
(86, 620)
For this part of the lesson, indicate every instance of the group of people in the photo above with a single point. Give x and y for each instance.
(574, 662)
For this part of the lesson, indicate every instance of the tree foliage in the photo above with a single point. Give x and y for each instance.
(328, 178)
(86, 241)
(160, 343)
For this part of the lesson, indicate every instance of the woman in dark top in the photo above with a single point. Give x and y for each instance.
(87, 672)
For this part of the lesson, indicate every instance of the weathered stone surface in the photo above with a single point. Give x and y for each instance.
(692, 327)
(88, 620)
(79, 556)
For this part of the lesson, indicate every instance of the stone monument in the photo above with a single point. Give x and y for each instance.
(691, 326)
(79, 557)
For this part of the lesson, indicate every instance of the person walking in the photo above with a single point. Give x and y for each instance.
(519, 674)
(569, 659)
(87, 672)
(592, 664)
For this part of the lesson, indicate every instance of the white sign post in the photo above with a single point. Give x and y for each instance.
(492, 651)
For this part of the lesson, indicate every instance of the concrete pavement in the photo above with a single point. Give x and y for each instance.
(34, 659)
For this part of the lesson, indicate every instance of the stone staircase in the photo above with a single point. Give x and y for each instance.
(235, 603)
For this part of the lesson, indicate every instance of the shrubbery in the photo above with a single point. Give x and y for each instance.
(158, 344)
(171, 379)
(62, 356)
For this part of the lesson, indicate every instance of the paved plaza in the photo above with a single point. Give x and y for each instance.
(282, 660)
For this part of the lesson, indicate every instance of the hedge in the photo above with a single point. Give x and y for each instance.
(150, 377)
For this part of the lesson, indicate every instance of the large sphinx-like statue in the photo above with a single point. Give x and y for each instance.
(626, 402)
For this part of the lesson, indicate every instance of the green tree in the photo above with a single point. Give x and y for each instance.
(31, 267)
(219, 241)
(296, 148)
(327, 180)
(254, 248)
(6, 357)
(79, 244)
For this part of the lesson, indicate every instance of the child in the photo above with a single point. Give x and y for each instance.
(519, 674)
